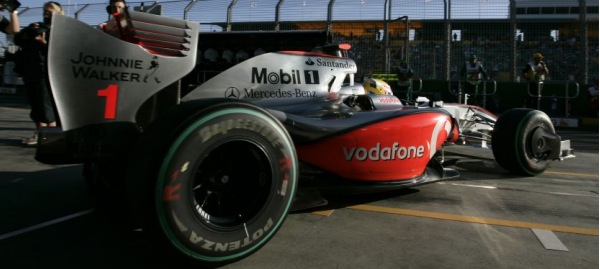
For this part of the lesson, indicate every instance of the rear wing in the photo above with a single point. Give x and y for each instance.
(105, 76)
(158, 35)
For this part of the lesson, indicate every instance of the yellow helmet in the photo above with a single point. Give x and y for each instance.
(538, 56)
(377, 86)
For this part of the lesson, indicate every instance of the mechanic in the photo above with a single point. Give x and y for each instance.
(405, 75)
(472, 72)
(116, 7)
(535, 72)
(31, 65)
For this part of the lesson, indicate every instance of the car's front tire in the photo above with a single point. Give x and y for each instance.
(522, 141)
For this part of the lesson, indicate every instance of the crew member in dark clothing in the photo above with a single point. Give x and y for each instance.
(535, 72)
(31, 64)
(473, 73)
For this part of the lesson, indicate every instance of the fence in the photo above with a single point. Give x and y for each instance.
(434, 36)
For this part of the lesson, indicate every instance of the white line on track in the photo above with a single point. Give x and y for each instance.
(514, 189)
(471, 185)
(549, 240)
(45, 224)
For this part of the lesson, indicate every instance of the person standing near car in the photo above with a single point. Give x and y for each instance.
(472, 72)
(405, 75)
(535, 72)
(32, 66)
(116, 7)
(9, 26)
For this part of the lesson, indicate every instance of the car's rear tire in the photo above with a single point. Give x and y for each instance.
(518, 141)
(214, 179)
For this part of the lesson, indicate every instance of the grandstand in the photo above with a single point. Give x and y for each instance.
(555, 10)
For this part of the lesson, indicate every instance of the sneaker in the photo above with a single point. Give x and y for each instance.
(31, 141)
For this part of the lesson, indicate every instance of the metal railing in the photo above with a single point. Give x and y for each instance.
(463, 96)
(410, 89)
(571, 91)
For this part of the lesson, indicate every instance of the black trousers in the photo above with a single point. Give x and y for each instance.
(40, 100)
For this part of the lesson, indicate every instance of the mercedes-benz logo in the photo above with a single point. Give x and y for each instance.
(232, 92)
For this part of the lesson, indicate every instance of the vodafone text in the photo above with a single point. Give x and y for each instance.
(378, 153)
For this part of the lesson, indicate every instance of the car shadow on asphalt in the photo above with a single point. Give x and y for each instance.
(337, 201)
(480, 170)
(50, 220)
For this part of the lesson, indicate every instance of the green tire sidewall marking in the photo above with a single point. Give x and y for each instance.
(166, 162)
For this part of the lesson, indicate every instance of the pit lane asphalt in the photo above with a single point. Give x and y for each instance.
(485, 219)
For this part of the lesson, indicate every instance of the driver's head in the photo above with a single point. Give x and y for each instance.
(377, 86)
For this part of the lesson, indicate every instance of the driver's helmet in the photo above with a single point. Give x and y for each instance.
(377, 86)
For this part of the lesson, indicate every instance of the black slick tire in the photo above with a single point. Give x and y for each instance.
(214, 180)
(520, 143)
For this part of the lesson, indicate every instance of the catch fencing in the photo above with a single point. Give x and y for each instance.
(435, 36)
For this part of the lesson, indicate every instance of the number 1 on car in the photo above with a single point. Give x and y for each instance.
(110, 108)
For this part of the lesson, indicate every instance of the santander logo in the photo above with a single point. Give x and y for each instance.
(395, 151)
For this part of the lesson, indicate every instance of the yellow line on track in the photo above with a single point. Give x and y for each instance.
(325, 213)
(500, 222)
(571, 174)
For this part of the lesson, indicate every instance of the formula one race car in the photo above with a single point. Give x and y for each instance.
(213, 174)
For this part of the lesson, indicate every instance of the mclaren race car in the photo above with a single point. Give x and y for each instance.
(211, 172)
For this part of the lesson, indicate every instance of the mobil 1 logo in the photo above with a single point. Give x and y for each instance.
(294, 76)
